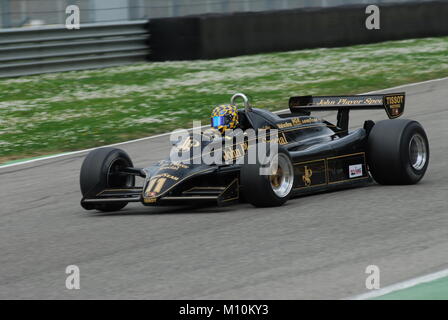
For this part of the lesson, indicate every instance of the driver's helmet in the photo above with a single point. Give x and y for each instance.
(224, 117)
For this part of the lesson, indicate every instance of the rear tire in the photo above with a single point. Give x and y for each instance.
(268, 190)
(398, 152)
(97, 175)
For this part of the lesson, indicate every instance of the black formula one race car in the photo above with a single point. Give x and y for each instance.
(314, 155)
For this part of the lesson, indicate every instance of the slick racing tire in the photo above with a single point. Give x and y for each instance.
(97, 174)
(268, 190)
(398, 152)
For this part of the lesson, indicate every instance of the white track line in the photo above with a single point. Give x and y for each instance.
(409, 85)
(401, 285)
(85, 150)
(165, 134)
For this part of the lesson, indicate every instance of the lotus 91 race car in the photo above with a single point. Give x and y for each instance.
(313, 155)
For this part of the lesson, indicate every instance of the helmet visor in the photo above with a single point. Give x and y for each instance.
(218, 121)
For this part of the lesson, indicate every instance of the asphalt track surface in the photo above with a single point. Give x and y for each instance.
(314, 247)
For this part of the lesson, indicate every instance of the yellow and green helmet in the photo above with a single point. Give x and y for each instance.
(224, 117)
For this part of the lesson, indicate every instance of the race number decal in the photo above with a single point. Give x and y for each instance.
(154, 187)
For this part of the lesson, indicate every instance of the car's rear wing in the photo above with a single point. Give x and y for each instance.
(393, 103)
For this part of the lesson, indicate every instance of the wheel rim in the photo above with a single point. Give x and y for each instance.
(417, 152)
(282, 176)
(114, 178)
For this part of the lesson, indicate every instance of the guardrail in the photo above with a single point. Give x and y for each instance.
(53, 49)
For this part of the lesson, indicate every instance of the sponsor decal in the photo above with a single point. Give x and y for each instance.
(355, 171)
(174, 166)
(187, 144)
(394, 105)
(165, 175)
(307, 176)
(277, 139)
(297, 122)
(353, 100)
(395, 100)
(235, 152)
(284, 125)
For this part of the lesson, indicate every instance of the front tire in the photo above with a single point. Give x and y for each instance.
(98, 173)
(268, 190)
(398, 152)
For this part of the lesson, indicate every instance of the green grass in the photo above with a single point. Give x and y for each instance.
(434, 290)
(73, 110)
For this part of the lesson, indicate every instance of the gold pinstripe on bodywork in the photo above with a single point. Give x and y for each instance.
(327, 179)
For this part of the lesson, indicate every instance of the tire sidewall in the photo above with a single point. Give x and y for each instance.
(94, 175)
(258, 188)
(388, 152)
(412, 174)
